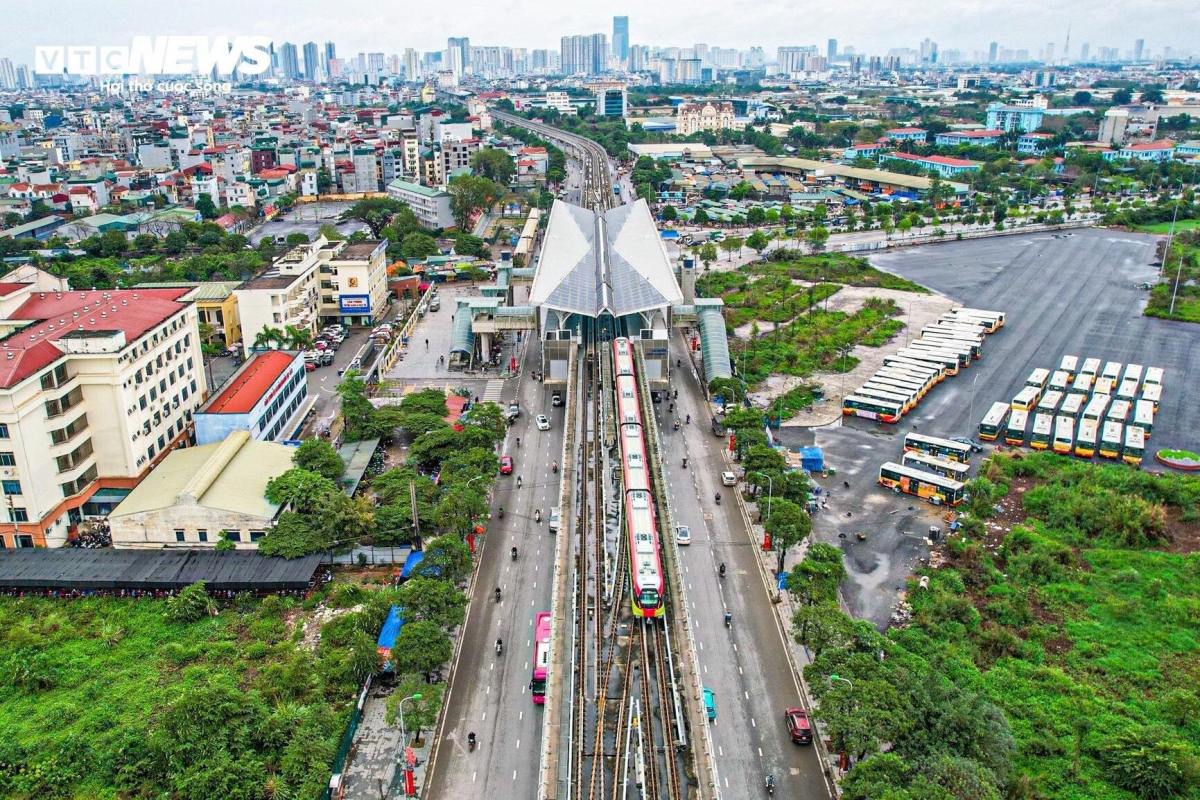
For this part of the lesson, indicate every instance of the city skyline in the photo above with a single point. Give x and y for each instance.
(769, 25)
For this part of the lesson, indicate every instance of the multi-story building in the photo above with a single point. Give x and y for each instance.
(284, 296)
(620, 40)
(1146, 151)
(366, 172)
(943, 165)
(267, 397)
(432, 206)
(95, 388)
(707, 116)
(916, 135)
(978, 138)
(611, 100)
(1034, 143)
(585, 55)
(1013, 118)
(1113, 126)
(216, 307)
(353, 280)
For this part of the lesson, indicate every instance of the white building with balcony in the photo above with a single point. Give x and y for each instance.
(284, 296)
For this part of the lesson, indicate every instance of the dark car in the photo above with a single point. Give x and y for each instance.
(326, 358)
(798, 725)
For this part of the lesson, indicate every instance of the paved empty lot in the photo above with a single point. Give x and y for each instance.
(1073, 295)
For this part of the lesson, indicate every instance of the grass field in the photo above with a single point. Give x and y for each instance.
(1165, 227)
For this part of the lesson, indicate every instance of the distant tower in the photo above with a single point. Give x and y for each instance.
(620, 40)
(831, 49)
(1139, 48)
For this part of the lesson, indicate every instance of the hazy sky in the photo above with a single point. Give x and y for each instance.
(870, 26)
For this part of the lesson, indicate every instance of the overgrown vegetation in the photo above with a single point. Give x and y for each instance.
(1180, 265)
(1059, 660)
(832, 267)
(112, 698)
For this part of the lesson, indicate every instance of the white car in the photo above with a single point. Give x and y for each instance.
(729, 479)
(682, 535)
(543, 424)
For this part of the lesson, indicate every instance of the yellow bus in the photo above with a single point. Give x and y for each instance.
(954, 337)
(1069, 365)
(900, 384)
(928, 374)
(1110, 439)
(1064, 435)
(923, 382)
(1086, 377)
(948, 361)
(1096, 408)
(1085, 439)
(1072, 405)
(1152, 393)
(1039, 378)
(935, 446)
(994, 320)
(1049, 403)
(1143, 416)
(941, 466)
(1112, 370)
(1128, 390)
(952, 325)
(1027, 398)
(1059, 382)
(933, 488)
(872, 408)
(907, 401)
(1014, 432)
(1133, 372)
(964, 322)
(963, 353)
(1119, 411)
(1135, 445)
(993, 422)
(900, 362)
(1104, 386)
(1043, 432)
(1154, 376)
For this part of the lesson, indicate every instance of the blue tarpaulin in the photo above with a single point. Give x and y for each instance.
(391, 629)
(782, 580)
(410, 564)
(812, 459)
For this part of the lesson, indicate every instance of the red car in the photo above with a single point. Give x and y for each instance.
(798, 725)
(506, 465)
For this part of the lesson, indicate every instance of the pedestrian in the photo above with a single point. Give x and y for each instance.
(426, 344)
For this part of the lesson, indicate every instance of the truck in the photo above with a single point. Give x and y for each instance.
(514, 411)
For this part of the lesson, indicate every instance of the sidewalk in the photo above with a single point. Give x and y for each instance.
(371, 771)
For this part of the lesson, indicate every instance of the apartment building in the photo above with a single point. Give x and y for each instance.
(95, 388)
(283, 296)
(432, 206)
(267, 396)
(693, 117)
(353, 280)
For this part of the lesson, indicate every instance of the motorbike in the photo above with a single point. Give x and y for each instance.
(501, 512)
(676, 424)
(729, 620)
(718, 498)
(499, 646)
(722, 570)
(770, 784)
(537, 516)
(685, 463)
(514, 554)
(518, 481)
(471, 742)
(497, 594)
(554, 467)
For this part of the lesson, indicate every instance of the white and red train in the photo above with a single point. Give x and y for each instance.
(645, 556)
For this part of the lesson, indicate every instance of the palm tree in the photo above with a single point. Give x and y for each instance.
(298, 338)
(269, 339)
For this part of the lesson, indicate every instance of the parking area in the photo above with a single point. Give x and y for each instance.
(1071, 294)
(308, 219)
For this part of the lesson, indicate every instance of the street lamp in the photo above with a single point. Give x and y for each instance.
(403, 733)
(971, 419)
(770, 490)
(833, 678)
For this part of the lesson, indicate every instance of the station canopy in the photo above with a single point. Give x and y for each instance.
(612, 262)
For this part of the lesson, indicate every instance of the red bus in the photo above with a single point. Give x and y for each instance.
(541, 656)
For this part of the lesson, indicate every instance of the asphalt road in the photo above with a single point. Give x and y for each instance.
(747, 665)
(490, 693)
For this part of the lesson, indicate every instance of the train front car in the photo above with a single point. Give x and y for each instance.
(645, 561)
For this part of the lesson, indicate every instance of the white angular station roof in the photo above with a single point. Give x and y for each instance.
(595, 262)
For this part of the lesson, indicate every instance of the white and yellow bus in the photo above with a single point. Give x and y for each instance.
(941, 466)
(1135, 445)
(1086, 377)
(872, 408)
(1104, 386)
(1069, 365)
(899, 386)
(953, 337)
(1043, 432)
(1049, 403)
(907, 400)
(923, 383)
(993, 319)
(1038, 378)
(1096, 408)
(948, 361)
(1154, 376)
(936, 446)
(963, 354)
(1027, 398)
(900, 362)
(1014, 431)
(993, 422)
(1060, 381)
(933, 488)
(1072, 405)
(1143, 416)
(1085, 439)
(1112, 370)
(1119, 411)
(1111, 438)
(927, 374)
(1127, 391)
(1133, 372)
(1064, 435)
(1152, 393)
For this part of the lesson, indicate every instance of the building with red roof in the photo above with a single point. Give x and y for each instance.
(95, 388)
(268, 397)
(943, 165)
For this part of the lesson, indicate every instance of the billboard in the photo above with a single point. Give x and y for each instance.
(355, 303)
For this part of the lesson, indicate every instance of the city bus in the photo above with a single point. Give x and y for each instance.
(944, 335)
(1072, 405)
(1049, 403)
(1027, 398)
(941, 466)
(1086, 376)
(948, 361)
(1110, 439)
(890, 393)
(933, 488)
(1104, 386)
(872, 408)
(1014, 432)
(1154, 376)
(1085, 439)
(931, 372)
(934, 446)
(901, 385)
(944, 325)
(541, 657)
(1143, 416)
(1152, 393)
(1127, 390)
(1135, 445)
(1039, 378)
(1059, 381)
(1112, 370)
(1043, 428)
(1064, 435)
(964, 322)
(961, 354)
(1119, 411)
(1069, 365)
(1133, 372)
(993, 422)
(1096, 408)
(922, 383)
(961, 349)
(993, 320)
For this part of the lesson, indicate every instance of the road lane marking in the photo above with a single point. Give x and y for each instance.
(753, 724)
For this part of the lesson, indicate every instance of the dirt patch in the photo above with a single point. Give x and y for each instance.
(1057, 645)
(311, 636)
(1184, 536)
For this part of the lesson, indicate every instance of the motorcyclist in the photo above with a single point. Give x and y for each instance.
(689, 419)
(518, 481)
(514, 553)
(718, 498)
(471, 740)
(518, 441)
(555, 466)
(770, 784)
(722, 569)
(499, 645)
(537, 515)
(676, 424)
(501, 512)
(728, 619)
(497, 594)
(685, 462)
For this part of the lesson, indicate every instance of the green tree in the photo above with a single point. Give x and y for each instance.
(330, 232)
(300, 489)
(822, 626)
(365, 659)
(758, 242)
(292, 537)
(740, 191)
(295, 239)
(191, 604)
(422, 647)
(113, 244)
(490, 417)
(495, 165)
(467, 245)
(788, 525)
(145, 242)
(756, 215)
(469, 195)
(668, 213)
(877, 778)
(431, 599)
(817, 238)
(731, 245)
(418, 246)
(446, 557)
(458, 510)
(1122, 97)
(375, 213)
(206, 207)
(419, 712)
(1082, 98)
(816, 579)
(700, 217)
(1148, 762)
(356, 407)
(224, 543)
(318, 455)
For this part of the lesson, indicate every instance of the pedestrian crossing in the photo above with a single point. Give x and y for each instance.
(491, 394)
